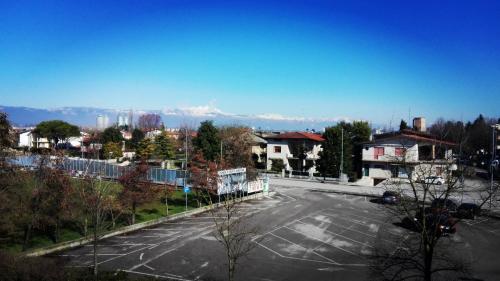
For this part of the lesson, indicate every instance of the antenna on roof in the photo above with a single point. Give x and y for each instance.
(409, 115)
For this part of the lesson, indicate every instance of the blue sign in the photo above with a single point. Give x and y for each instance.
(186, 189)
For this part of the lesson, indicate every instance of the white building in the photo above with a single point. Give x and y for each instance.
(404, 153)
(29, 140)
(102, 122)
(288, 146)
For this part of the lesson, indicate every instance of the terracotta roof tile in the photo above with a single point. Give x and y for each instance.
(299, 135)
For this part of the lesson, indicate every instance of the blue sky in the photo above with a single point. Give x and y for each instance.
(316, 59)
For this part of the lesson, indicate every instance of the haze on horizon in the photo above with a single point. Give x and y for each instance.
(316, 59)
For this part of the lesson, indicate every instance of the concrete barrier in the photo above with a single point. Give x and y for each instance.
(130, 228)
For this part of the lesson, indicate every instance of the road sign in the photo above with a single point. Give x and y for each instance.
(186, 189)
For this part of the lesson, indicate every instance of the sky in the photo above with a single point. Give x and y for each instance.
(370, 60)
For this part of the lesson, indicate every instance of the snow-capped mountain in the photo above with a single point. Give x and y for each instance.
(171, 117)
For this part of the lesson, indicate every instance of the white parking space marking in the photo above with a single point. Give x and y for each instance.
(345, 237)
(168, 277)
(307, 249)
(324, 242)
(292, 258)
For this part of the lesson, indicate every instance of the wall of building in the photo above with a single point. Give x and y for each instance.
(411, 154)
(284, 154)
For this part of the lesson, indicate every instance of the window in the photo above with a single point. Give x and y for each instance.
(399, 151)
(378, 151)
(277, 149)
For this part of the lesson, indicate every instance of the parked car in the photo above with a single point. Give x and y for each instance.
(468, 211)
(433, 180)
(390, 197)
(435, 219)
(447, 204)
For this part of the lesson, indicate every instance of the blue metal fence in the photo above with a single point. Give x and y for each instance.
(106, 170)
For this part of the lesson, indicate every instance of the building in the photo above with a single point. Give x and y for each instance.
(259, 151)
(298, 150)
(419, 124)
(29, 140)
(403, 154)
(122, 120)
(102, 122)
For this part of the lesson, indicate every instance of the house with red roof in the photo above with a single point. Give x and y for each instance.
(298, 151)
(403, 154)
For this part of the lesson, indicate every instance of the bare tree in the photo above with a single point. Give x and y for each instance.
(149, 122)
(137, 188)
(97, 198)
(234, 229)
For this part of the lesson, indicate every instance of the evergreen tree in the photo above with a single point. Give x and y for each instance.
(330, 157)
(208, 141)
(145, 149)
(137, 137)
(403, 125)
(56, 130)
(164, 148)
(111, 134)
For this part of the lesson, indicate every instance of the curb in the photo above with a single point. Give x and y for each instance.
(130, 228)
(344, 192)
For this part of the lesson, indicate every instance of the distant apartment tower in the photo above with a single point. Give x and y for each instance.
(130, 120)
(122, 119)
(102, 122)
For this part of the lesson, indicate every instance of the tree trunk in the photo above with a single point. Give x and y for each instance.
(95, 252)
(57, 231)
(230, 268)
(27, 236)
(166, 202)
(113, 220)
(133, 212)
(428, 255)
(85, 227)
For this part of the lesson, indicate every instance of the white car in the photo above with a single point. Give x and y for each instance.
(433, 180)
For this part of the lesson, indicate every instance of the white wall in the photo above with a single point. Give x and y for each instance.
(389, 151)
(283, 155)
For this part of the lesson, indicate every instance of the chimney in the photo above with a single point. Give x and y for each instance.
(419, 124)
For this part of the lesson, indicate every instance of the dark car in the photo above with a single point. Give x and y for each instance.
(468, 211)
(447, 204)
(390, 197)
(439, 220)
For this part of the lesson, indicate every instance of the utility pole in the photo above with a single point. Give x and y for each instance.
(342, 154)
(493, 148)
(221, 151)
(185, 168)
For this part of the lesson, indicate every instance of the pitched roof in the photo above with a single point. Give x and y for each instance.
(413, 135)
(299, 135)
(257, 139)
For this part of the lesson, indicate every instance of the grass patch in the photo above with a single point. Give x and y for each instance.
(149, 211)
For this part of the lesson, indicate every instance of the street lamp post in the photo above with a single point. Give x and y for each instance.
(341, 154)
(494, 129)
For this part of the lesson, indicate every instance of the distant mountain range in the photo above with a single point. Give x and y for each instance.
(172, 118)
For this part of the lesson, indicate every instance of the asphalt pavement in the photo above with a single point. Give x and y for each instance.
(303, 235)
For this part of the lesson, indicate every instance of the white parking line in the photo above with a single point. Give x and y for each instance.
(168, 276)
(181, 244)
(307, 249)
(292, 258)
(324, 242)
(345, 237)
(359, 222)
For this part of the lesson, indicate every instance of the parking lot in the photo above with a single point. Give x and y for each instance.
(303, 236)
